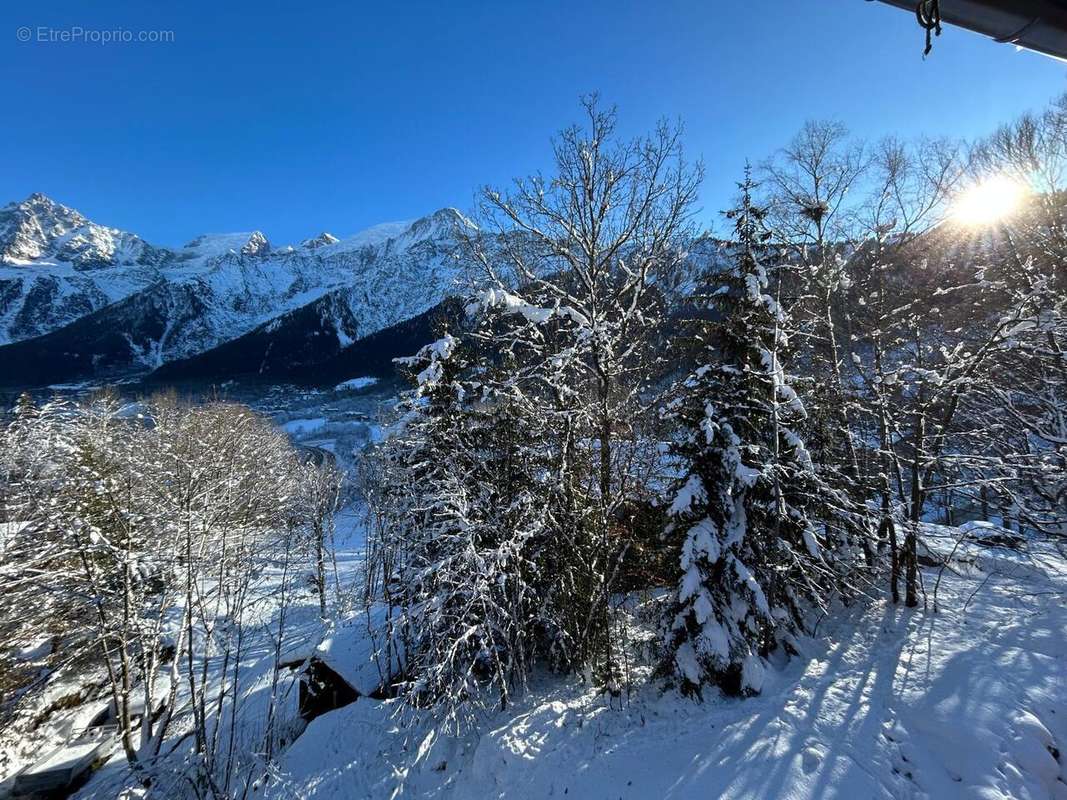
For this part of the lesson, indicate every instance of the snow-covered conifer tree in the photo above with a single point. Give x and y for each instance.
(749, 552)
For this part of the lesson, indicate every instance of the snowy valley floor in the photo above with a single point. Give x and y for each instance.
(969, 702)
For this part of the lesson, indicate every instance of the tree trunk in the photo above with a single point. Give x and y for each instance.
(888, 531)
(911, 559)
(605, 504)
(320, 567)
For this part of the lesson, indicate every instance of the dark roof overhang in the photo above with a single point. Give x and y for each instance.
(1039, 25)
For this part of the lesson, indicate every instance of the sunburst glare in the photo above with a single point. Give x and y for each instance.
(991, 200)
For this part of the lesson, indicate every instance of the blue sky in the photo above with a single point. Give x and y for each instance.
(298, 117)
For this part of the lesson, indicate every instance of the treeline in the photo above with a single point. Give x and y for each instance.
(160, 543)
(755, 425)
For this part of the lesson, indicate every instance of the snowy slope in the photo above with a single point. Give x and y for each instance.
(132, 307)
(969, 702)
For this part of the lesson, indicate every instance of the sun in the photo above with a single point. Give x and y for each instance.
(989, 201)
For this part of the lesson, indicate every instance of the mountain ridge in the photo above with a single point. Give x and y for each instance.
(99, 303)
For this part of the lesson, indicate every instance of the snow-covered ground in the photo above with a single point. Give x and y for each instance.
(886, 702)
(355, 384)
(300, 428)
(969, 701)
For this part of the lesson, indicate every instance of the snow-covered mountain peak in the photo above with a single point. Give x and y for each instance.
(444, 223)
(257, 245)
(28, 228)
(39, 228)
(210, 245)
(322, 240)
(47, 210)
(396, 237)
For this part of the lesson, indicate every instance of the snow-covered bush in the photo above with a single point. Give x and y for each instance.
(146, 545)
(459, 520)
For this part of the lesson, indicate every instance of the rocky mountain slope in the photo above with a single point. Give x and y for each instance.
(82, 301)
(304, 346)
